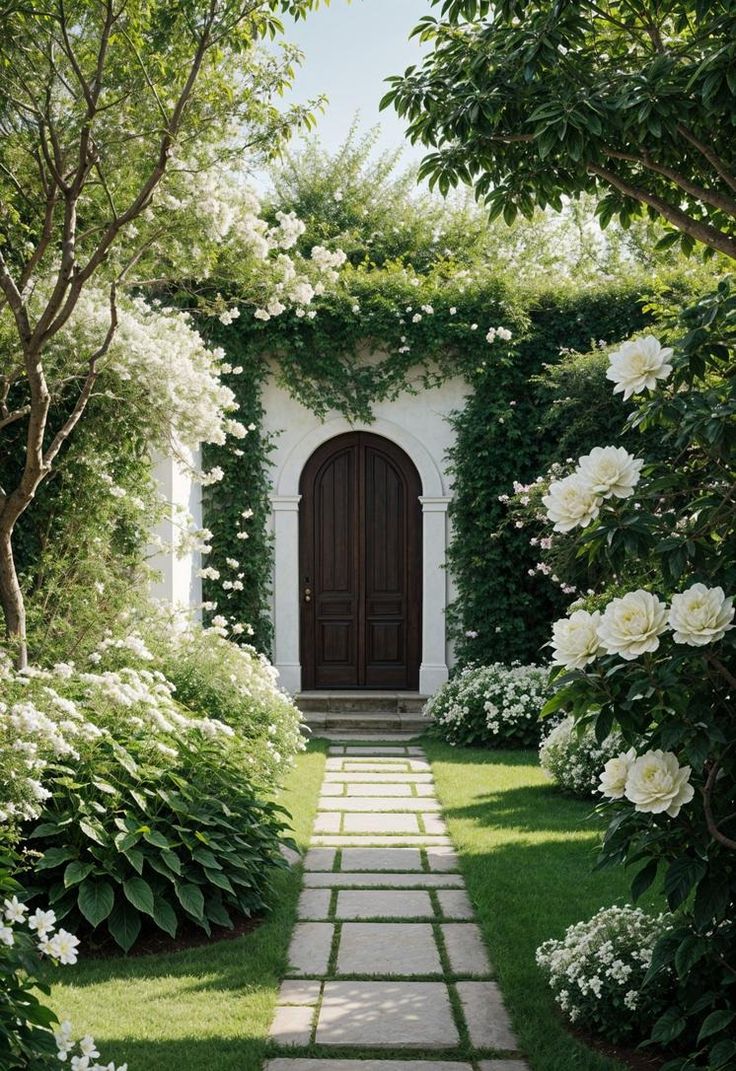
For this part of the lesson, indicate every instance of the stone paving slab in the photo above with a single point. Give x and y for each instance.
(292, 1025)
(378, 778)
(298, 1063)
(378, 823)
(387, 1015)
(503, 1065)
(442, 857)
(374, 767)
(371, 751)
(327, 823)
(419, 840)
(383, 903)
(432, 822)
(376, 804)
(454, 904)
(320, 859)
(293, 991)
(358, 789)
(309, 951)
(416, 880)
(488, 1023)
(333, 790)
(314, 903)
(465, 949)
(388, 948)
(353, 859)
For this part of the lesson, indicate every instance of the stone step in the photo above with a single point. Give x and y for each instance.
(361, 702)
(370, 721)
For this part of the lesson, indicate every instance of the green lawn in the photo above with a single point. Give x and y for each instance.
(527, 856)
(207, 1008)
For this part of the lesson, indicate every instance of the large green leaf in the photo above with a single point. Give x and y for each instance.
(164, 916)
(191, 899)
(124, 924)
(53, 857)
(77, 872)
(95, 900)
(140, 894)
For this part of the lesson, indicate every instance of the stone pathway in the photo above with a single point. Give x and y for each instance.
(388, 970)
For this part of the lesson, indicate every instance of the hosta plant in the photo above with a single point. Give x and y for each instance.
(491, 706)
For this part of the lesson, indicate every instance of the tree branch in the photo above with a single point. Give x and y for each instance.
(710, 155)
(702, 232)
(700, 193)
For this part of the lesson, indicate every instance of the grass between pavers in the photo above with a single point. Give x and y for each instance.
(527, 854)
(204, 1008)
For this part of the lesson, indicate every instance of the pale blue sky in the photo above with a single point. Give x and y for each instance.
(349, 48)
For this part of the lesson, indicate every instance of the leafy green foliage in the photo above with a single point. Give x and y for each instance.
(530, 101)
(127, 843)
(26, 1039)
(679, 697)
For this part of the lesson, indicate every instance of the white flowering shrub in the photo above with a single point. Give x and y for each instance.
(597, 972)
(491, 706)
(238, 686)
(137, 810)
(651, 649)
(573, 758)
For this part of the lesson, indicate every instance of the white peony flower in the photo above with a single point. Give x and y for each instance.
(638, 364)
(701, 615)
(570, 503)
(656, 783)
(632, 625)
(610, 471)
(575, 640)
(615, 772)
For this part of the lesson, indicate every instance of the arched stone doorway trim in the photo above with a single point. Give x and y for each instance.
(286, 587)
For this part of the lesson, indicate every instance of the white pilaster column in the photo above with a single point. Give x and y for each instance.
(177, 582)
(286, 590)
(433, 669)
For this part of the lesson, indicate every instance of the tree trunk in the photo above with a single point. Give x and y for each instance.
(11, 598)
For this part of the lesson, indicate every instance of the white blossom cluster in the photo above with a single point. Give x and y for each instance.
(160, 352)
(506, 699)
(633, 624)
(17, 928)
(597, 969)
(573, 758)
(606, 472)
(654, 782)
(46, 726)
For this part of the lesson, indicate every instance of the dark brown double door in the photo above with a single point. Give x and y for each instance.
(360, 550)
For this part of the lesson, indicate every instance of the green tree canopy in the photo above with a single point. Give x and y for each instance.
(633, 101)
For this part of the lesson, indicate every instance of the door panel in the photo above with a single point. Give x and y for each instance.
(360, 539)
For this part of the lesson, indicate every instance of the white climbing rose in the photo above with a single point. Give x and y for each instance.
(701, 615)
(657, 784)
(638, 364)
(570, 503)
(615, 772)
(610, 471)
(575, 640)
(632, 625)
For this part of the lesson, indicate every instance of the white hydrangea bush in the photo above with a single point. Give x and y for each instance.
(491, 706)
(597, 969)
(573, 758)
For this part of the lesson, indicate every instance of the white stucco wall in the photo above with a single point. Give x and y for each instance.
(416, 422)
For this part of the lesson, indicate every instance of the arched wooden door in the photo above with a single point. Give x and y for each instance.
(360, 567)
